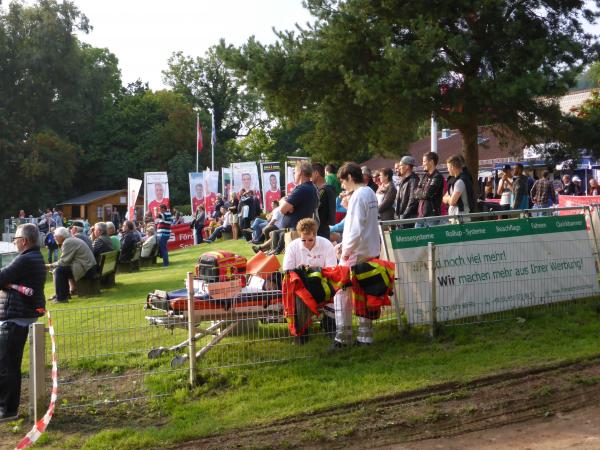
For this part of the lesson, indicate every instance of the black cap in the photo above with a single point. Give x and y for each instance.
(507, 167)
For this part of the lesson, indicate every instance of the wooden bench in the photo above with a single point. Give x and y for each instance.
(150, 260)
(88, 287)
(134, 264)
(108, 268)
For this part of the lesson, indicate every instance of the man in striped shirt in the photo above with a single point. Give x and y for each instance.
(163, 231)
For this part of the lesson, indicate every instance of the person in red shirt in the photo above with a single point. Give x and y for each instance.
(210, 200)
(160, 199)
(274, 193)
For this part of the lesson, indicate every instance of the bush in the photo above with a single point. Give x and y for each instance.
(186, 210)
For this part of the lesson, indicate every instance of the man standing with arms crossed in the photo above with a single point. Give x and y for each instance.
(360, 242)
(17, 312)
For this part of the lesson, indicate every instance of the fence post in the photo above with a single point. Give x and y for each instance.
(191, 329)
(591, 210)
(432, 287)
(396, 294)
(37, 368)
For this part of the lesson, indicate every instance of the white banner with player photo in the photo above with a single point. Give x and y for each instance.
(290, 164)
(245, 177)
(133, 190)
(196, 190)
(211, 188)
(270, 174)
(156, 192)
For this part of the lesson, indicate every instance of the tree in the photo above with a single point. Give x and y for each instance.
(208, 84)
(143, 131)
(369, 72)
(52, 89)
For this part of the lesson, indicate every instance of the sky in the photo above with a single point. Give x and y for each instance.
(144, 33)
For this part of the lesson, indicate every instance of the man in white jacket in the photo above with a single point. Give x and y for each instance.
(360, 242)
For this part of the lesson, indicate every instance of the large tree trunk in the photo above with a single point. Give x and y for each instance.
(470, 150)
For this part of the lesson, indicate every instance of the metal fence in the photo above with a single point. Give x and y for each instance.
(120, 353)
(117, 353)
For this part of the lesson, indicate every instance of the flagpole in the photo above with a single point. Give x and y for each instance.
(197, 131)
(213, 140)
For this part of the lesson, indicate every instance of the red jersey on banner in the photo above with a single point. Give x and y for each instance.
(209, 203)
(196, 202)
(290, 187)
(156, 204)
(269, 197)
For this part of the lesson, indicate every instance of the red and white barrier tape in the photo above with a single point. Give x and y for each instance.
(41, 425)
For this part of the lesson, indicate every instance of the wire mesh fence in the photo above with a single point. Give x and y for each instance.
(116, 353)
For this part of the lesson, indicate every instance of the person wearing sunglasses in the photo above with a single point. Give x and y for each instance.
(18, 310)
(309, 250)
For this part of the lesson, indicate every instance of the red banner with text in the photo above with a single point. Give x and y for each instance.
(181, 236)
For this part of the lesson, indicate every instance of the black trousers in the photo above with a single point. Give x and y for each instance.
(62, 274)
(12, 342)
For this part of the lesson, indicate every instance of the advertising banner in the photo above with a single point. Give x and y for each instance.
(156, 192)
(491, 266)
(245, 176)
(211, 188)
(226, 180)
(196, 190)
(270, 173)
(133, 190)
(181, 236)
(290, 164)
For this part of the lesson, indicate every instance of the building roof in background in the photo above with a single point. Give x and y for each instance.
(91, 197)
(490, 149)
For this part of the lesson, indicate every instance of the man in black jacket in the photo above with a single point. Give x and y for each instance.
(129, 241)
(326, 209)
(22, 301)
(430, 191)
(406, 203)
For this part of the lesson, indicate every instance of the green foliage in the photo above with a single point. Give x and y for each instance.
(368, 73)
(208, 84)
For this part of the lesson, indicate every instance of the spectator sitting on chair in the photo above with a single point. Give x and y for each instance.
(262, 228)
(76, 262)
(149, 242)
(129, 241)
(112, 233)
(225, 226)
(102, 242)
(76, 229)
(17, 312)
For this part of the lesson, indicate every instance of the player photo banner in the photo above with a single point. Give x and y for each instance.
(156, 192)
(245, 176)
(211, 189)
(226, 182)
(290, 164)
(133, 190)
(270, 174)
(196, 190)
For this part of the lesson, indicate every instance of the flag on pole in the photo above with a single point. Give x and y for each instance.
(199, 143)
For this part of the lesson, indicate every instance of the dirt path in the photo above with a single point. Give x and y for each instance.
(547, 408)
(578, 429)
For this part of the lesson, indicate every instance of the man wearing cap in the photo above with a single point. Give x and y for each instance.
(368, 178)
(406, 203)
(18, 310)
(77, 232)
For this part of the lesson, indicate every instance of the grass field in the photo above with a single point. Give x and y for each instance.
(244, 396)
